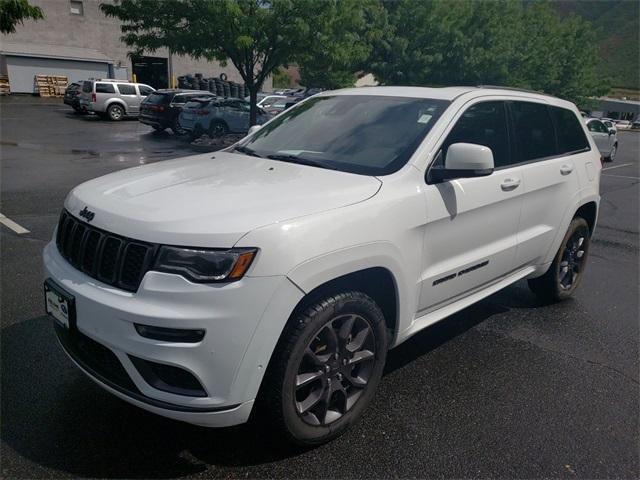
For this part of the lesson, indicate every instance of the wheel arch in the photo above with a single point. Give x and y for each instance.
(588, 211)
(115, 101)
(376, 282)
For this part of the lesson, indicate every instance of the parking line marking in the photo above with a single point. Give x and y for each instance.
(619, 176)
(7, 222)
(617, 166)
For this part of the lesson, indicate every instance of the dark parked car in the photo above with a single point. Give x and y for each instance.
(218, 117)
(72, 97)
(162, 108)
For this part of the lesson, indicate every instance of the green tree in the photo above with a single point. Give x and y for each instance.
(256, 36)
(342, 43)
(496, 42)
(13, 12)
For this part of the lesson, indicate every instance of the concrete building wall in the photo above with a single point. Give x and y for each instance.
(94, 30)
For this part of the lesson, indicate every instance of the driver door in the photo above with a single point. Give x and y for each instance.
(470, 238)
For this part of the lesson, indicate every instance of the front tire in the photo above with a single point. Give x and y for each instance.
(326, 368)
(566, 271)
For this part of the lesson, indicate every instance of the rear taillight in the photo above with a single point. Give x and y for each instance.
(202, 111)
(93, 97)
(157, 108)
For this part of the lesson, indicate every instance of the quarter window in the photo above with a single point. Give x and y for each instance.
(105, 88)
(483, 124)
(569, 131)
(126, 89)
(533, 130)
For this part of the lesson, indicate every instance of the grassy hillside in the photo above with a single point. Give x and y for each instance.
(618, 28)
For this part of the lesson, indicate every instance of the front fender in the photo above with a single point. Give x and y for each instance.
(322, 269)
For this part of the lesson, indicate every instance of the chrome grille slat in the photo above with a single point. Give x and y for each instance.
(110, 258)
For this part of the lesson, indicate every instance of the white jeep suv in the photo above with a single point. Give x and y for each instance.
(279, 272)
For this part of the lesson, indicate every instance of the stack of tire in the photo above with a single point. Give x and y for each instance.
(221, 87)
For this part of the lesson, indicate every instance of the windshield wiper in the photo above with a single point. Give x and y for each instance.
(300, 160)
(246, 151)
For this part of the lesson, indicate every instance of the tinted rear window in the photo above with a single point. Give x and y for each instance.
(126, 89)
(534, 133)
(105, 88)
(157, 99)
(571, 136)
(87, 87)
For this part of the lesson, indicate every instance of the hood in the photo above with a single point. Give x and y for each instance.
(213, 199)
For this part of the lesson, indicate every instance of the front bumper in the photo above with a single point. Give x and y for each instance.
(225, 362)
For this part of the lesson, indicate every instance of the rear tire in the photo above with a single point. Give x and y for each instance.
(115, 112)
(177, 129)
(613, 153)
(566, 272)
(218, 129)
(325, 369)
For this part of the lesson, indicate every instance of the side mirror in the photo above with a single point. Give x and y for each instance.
(464, 160)
(253, 129)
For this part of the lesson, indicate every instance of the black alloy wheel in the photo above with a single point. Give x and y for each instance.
(335, 369)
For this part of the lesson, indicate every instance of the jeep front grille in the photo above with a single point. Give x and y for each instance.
(110, 258)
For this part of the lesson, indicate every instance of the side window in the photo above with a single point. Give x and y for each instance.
(569, 131)
(179, 99)
(144, 90)
(105, 88)
(533, 130)
(126, 89)
(483, 124)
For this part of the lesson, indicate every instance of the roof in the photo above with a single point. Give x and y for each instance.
(448, 93)
(61, 52)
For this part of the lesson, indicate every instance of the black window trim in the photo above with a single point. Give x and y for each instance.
(555, 134)
(513, 144)
(453, 123)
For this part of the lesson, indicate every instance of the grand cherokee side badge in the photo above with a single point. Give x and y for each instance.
(86, 213)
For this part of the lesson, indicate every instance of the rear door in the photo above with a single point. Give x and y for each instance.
(129, 95)
(552, 144)
(472, 223)
(601, 136)
(104, 92)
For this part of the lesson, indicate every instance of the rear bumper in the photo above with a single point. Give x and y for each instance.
(152, 121)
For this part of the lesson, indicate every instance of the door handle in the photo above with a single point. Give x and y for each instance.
(566, 169)
(510, 184)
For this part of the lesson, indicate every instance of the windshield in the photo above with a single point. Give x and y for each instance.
(365, 134)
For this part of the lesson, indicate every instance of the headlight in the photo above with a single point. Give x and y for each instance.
(205, 265)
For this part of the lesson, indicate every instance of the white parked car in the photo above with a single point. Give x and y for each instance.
(280, 272)
(605, 138)
(623, 124)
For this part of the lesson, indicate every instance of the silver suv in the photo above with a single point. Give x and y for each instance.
(113, 98)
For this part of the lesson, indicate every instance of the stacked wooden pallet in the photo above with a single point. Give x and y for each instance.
(50, 85)
(4, 85)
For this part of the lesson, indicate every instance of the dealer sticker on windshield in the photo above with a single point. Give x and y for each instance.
(424, 118)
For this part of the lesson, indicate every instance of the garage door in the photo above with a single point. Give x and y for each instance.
(22, 71)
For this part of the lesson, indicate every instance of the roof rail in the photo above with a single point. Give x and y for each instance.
(515, 89)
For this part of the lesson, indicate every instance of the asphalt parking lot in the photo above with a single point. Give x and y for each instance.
(507, 388)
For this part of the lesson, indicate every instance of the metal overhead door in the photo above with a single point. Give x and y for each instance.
(22, 71)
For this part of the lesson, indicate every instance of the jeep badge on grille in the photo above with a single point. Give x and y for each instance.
(86, 213)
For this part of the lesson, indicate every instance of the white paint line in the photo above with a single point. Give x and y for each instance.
(620, 176)
(7, 222)
(617, 166)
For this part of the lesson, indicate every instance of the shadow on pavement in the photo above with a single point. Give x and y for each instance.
(54, 416)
